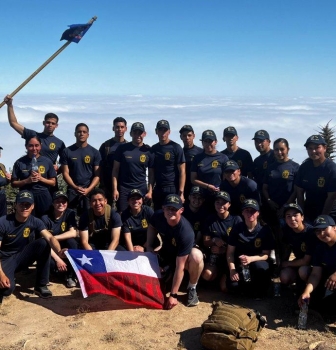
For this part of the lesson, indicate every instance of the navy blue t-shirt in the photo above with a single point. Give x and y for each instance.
(51, 146)
(246, 189)
(166, 161)
(134, 162)
(316, 182)
(136, 225)
(251, 243)
(62, 224)
(243, 158)
(209, 167)
(260, 166)
(325, 257)
(189, 154)
(81, 162)
(14, 235)
(280, 180)
(176, 241)
(22, 170)
(196, 219)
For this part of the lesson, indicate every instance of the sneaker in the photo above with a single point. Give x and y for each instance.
(70, 283)
(43, 292)
(192, 297)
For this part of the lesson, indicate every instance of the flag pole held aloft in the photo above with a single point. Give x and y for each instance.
(74, 34)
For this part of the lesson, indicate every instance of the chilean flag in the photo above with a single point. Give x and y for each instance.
(130, 276)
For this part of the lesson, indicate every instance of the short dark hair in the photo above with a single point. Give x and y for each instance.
(119, 120)
(33, 137)
(96, 191)
(81, 124)
(282, 140)
(51, 116)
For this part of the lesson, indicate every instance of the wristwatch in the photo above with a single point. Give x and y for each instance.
(173, 295)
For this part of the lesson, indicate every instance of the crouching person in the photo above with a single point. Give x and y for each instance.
(19, 248)
(177, 251)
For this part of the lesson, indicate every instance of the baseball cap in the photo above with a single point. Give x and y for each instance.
(223, 195)
(292, 206)
(251, 203)
(163, 124)
(323, 221)
(1, 147)
(135, 192)
(25, 197)
(230, 130)
(262, 135)
(209, 134)
(231, 165)
(186, 128)
(173, 200)
(137, 126)
(197, 190)
(59, 194)
(316, 139)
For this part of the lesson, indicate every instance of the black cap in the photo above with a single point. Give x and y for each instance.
(25, 197)
(137, 126)
(230, 130)
(231, 165)
(292, 206)
(316, 139)
(223, 195)
(250, 203)
(135, 192)
(163, 124)
(186, 128)
(1, 147)
(261, 135)
(59, 194)
(209, 134)
(173, 200)
(197, 190)
(323, 221)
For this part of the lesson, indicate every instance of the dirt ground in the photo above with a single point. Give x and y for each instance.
(68, 321)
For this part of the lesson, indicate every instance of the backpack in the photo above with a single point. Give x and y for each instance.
(231, 327)
(92, 223)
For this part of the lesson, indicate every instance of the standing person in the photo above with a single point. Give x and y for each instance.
(5, 178)
(80, 167)
(190, 150)
(61, 223)
(316, 181)
(207, 167)
(169, 166)
(19, 248)
(250, 245)
(107, 151)
(238, 187)
(38, 182)
(135, 219)
(242, 157)
(52, 147)
(131, 162)
(177, 250)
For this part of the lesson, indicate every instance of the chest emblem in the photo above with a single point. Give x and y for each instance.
(52, 146)
(242, 198)
(144, 223)
(26, 232)
(240, 163)
(87, 159)
(265, 164)
(285, 174)
(167, 156)
(2, 174)
(173, 242)
(143, 158)
(321, 182)
(303, 247)
(41, 169)
(214, 164)
(228, 230)
(257, 243)
(63, 226)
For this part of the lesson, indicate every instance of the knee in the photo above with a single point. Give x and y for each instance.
(209, 274)
(284, 278)
(196, 256)
(304, 272)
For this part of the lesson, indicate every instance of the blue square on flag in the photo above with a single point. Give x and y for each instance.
(92, 262)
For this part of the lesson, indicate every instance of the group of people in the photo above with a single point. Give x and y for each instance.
(214, 214)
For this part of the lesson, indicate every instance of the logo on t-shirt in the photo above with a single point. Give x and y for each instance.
(242, 198)
(228, 230)
(41, 169)
(265, 164)
(26, 232)
(240, 163)
(143, 158)
(303, 247)
(2, 173)
(173, 242)
(52, 146)
(257, 243)
(197, 226)
(167, 156)
(214, 164)
(87, 159)
(144, 223)
(63, 226)
(321, 182)
(285, 174)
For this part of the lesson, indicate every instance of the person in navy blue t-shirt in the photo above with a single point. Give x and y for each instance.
(5, 178)
(80, 166)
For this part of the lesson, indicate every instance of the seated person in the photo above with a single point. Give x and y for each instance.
(216, 232)
(61, 223)
(135, 222)
(100, 227)
(249, 246)
(321, 284)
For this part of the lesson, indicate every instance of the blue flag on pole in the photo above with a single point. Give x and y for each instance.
(76, 32)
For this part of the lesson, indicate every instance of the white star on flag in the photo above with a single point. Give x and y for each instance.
(85, 260)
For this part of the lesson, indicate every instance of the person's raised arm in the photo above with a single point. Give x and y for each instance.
(13, 122)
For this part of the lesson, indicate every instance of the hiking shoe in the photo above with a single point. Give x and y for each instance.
(43, 292)
(70, 283)
(192, 297)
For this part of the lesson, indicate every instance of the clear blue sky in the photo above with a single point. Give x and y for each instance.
(182, 47)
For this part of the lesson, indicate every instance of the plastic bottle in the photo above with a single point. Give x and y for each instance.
(34, 165)
(303, 315)
(246, 273)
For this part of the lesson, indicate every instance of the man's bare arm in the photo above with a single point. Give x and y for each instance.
(13, 122)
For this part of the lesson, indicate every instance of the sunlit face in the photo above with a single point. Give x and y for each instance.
(119, 129)
(82, 134)
(327, 235)
(232, 175)
(50, 125)
(188, 138)
(23, 210)
(209, 145)
(60, 204)
(138, 136)
(250, 215)
(33, 147)
(281, 151)
(98, 203)
(163, 134)
(316, 152)
(135, 202)
(262, 146)
(230, 139)
(195, 201)
(172, 215)
(294, 219)
(221, 206)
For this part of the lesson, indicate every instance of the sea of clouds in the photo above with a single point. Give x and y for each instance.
(292, 118)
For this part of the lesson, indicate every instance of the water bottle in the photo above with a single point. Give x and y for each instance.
(246, 273)
(328, 292)
(34, 165)
(303, 315)
(276, 287)
(213, 259)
